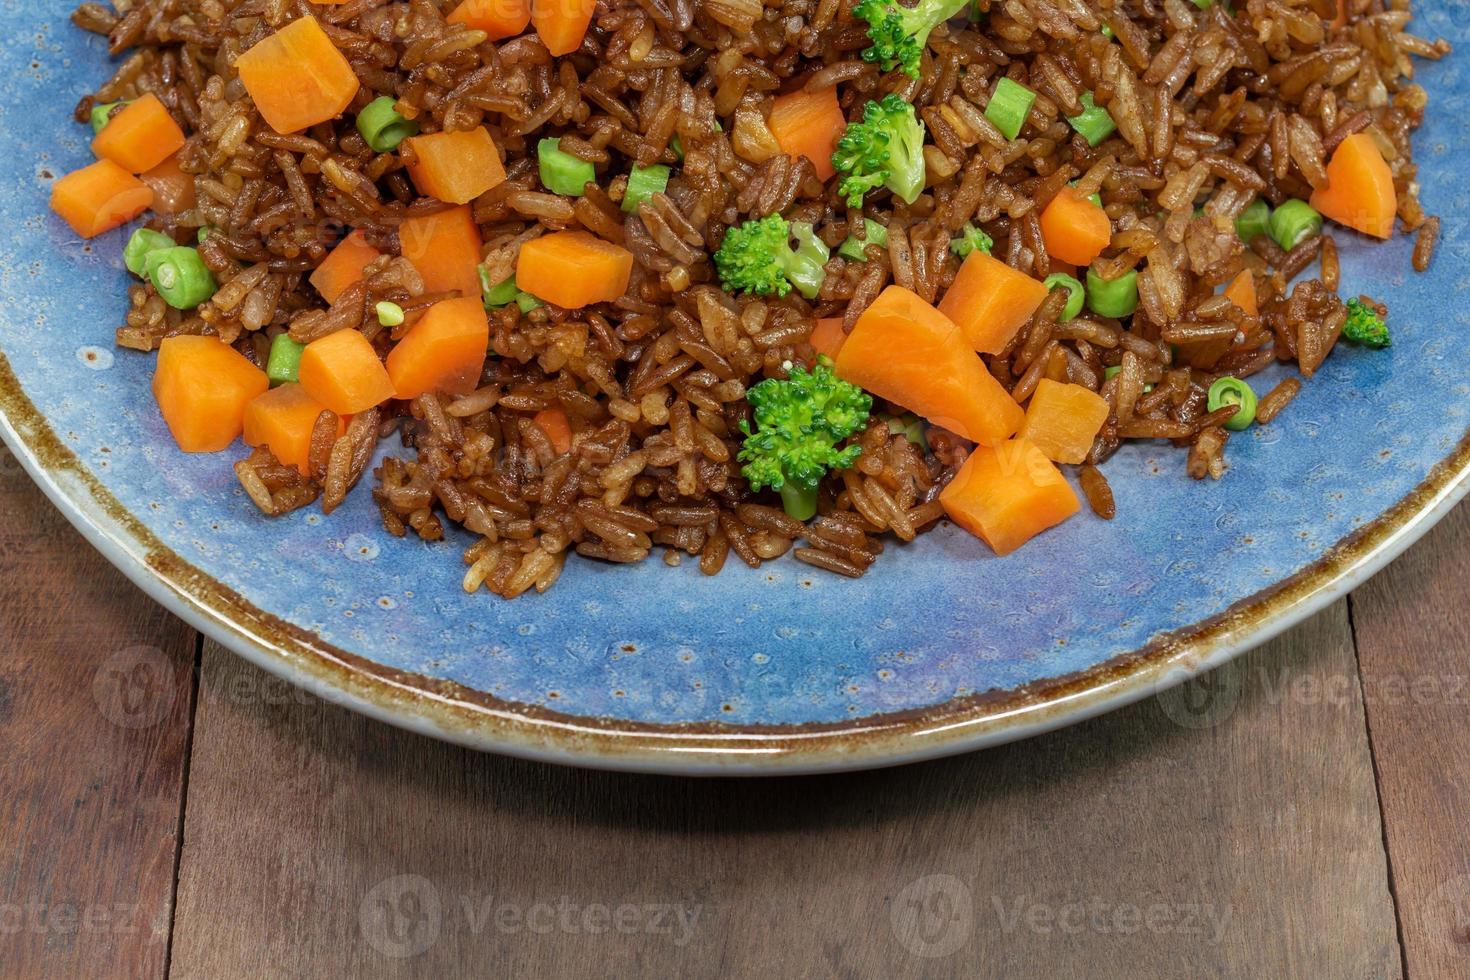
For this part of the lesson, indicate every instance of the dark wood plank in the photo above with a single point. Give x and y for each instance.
(1164, 840)
(96, 686)
(1413, 631)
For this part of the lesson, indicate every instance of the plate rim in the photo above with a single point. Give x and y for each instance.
(457, 714)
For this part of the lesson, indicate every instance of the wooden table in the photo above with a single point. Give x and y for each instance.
(166, 809)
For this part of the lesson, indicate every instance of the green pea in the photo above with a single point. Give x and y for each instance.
(284, 364)
(382, 125)
(1112, 297)
(1233, 391)
(389, 314)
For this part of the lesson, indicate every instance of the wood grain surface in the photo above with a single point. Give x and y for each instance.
(95, 705)
(1230, 828)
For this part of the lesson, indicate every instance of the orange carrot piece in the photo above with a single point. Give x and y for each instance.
(343, 266)
(561, 24)
(573, 269)
(808, 124)
(1359, 191)
(1063, 420)
(343, 372)
(828, 336)
(202, 386)
(1074, 229)
(1007, 494)
(906, 351)
(140, 137)
(498, 18)
(445, 351)
(991, 301)
(297, 77)
(456, 167)
(445, 249)
(99, 198)
(282, 419)
(1242, 292)
(173, 190)
(554, 424)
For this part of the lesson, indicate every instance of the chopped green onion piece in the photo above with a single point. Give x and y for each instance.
(526, 301)
(1107, 32)
(389, 314)
(643, 183)
(1204, 4)
(1293, 222)
(1009, 106)
(856, 249)
(382, 126)
(204, 233)
(1233, 391)
(1095, 197)
(1076, 295)
(498, 294)
(102, 114)
(1254, 221)
(180, 276)
(970, 239)
(144, 243)
(561, 172)
(1112, 297)
(284, 362)
(911, 427)
(1094, 123)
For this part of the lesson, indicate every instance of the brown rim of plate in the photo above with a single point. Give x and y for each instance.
(469, 717)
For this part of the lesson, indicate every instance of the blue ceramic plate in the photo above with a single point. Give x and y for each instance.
(942, 647)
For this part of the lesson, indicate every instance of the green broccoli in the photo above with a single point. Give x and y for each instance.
(757, 257)
(899, 33)
(1364, 325)
(799, 424)
(886, 149)
(970, 239)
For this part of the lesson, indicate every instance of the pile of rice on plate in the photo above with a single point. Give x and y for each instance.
(694, 278)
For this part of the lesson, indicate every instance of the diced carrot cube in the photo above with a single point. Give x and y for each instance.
(1359, 190)
(1062, 420)
(808, 124)
(554, 424)
(456, 167)
(140, 137)
(1074, 229)
(344, 266)
(297, 77)
(498, 18)
(282, 419)
(990, 301)
(99, 198)
(445, 249)
(445, 351)
(906, 351)
(1007, 494)
(828, 336)
(562, 24)
(573, 269)
(344, 373)
(202, 386)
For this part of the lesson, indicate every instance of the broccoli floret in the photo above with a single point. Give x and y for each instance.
(886, 149)
(1364, 325)
(799, 424)
(899, 33)
(757, 257)
(970, 239)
